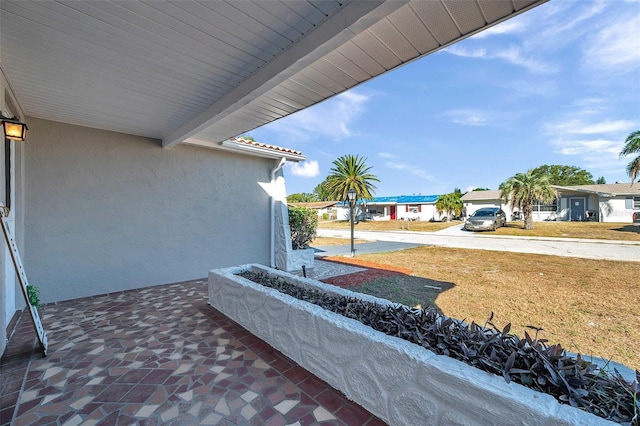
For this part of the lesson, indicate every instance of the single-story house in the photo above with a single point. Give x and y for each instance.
(603, 203)
(399, 207)
(323, 208)
(600, 202)
(128, 176)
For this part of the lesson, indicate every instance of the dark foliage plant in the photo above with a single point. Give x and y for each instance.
(33, 294)
(529, 361)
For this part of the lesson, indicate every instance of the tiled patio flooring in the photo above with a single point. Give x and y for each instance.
(154, 356)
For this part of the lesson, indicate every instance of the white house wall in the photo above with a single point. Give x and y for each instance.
(11, 297)
(614, 210)
(108, 211)
(472, 206)
(427, 212)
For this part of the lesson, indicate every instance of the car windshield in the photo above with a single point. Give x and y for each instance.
(483, 213)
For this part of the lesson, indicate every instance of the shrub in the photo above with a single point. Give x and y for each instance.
(304, 225)
(325, 216)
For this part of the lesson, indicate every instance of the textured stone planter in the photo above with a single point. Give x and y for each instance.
(296, 259)
(399, 382)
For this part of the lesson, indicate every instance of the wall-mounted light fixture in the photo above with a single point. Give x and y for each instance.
(14, 129)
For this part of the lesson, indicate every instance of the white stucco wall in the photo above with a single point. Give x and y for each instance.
(107, 211)
(614, 210)
(10, 295)
(475, 205)
(427, 212)
(611, 210)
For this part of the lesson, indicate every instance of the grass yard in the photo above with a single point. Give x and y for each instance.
(589, 306)
(335, 241)
(589, 230)
(388, 225)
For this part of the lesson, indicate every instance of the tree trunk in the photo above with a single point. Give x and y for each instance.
(527, 213)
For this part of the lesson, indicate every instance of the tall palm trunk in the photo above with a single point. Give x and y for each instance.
(527, 214)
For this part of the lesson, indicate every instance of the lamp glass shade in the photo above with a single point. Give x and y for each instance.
(351, 194)
(14, 131)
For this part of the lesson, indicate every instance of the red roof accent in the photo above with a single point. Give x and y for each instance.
(265, 146)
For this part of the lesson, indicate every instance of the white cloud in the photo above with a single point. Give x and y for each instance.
(589, 106)
(393, 162)
(513, 55)
(467, 117)
(332, 118)
(599, 156)
(568, 22)
(309, 168)
(514, 25)
(616, 46)
(579, 127)
(587, 146)
(593, 141)
(458, 50)
(386, 155)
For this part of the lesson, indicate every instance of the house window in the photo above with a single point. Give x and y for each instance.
(551, 207)
(636, 203)
(373, 211)
(413, 209)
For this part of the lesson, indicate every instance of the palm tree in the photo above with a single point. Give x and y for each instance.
(450, 204)
(525, 189)
(349, 172)
(632, 146)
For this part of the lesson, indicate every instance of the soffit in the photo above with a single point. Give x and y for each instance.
(208, 71)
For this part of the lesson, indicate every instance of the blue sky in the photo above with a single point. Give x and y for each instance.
(559, 84)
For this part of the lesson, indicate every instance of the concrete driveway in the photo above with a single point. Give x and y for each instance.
(456, 237)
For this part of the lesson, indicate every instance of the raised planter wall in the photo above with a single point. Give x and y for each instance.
(401, 383)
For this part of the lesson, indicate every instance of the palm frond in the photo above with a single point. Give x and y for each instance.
(351, 172)
(632, 146)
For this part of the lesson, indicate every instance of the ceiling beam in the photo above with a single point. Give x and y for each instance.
(353, 18)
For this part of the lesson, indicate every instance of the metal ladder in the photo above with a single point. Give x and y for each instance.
(22, 278)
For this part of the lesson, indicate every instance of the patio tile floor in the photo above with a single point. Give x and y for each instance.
(158, 355)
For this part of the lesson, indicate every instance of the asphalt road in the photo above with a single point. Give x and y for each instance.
(455, 237)
(363, 248)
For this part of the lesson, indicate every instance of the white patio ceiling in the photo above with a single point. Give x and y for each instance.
(203, 71)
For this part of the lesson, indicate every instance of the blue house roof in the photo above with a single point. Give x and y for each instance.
(406, 199)
(401, 199)
(414, 199)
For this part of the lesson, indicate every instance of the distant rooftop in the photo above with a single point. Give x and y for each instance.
(482, 195)
(406, 199)
(604, 189)
(607, 188)
(402, 199)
